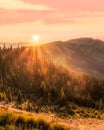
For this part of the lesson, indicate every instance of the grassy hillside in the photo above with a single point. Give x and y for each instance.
(16, 121)
(31, 81)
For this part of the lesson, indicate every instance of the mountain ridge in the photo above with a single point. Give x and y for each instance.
(82, 54)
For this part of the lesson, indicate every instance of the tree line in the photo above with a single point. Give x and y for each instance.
(28, 77)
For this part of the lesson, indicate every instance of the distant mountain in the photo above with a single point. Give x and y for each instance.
(82, 54)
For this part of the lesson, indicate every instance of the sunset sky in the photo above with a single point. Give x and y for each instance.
(51, 19)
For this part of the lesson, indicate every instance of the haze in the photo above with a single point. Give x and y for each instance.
(51, 20)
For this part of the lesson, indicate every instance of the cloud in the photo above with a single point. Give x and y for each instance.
(19, 4)
(48, 12)
(20, 16)
(24, 16)
(47, 16)
(71, 5)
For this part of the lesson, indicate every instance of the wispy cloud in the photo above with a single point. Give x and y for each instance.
(24, 16)
(51, 19)
(19, 4)
(71, 5)
(49, 12)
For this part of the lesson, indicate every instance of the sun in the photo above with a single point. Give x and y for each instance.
(36, 38)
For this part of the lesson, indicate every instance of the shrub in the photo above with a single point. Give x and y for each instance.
(5, 118)
(42, 124)
(57, 127)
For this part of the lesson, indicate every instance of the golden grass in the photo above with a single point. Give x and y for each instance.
(27, 121)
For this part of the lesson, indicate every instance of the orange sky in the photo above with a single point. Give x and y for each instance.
(51, 19)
